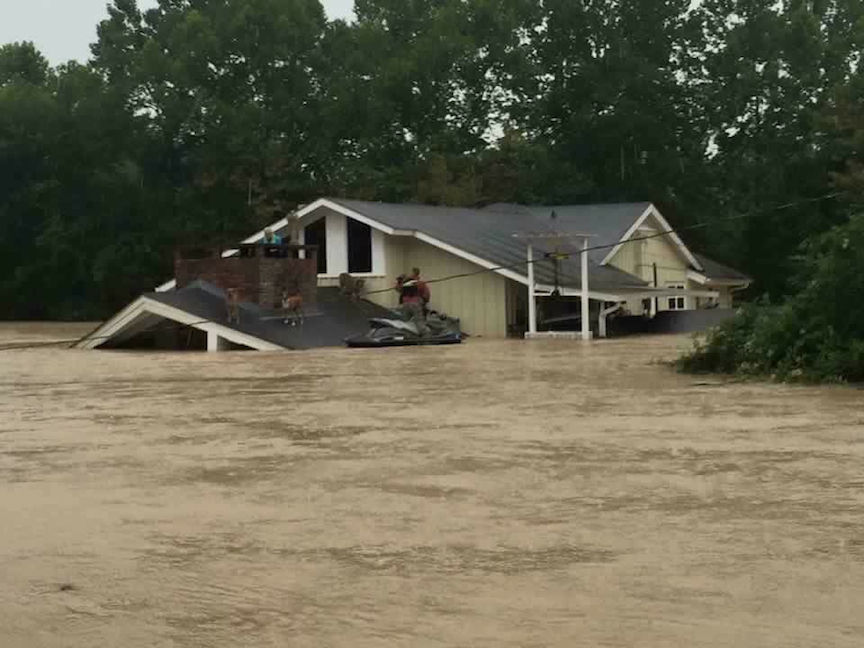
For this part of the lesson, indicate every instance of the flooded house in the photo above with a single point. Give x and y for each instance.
(505, 271)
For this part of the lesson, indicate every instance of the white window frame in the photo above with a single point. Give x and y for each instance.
(676, 303)
(336, 227)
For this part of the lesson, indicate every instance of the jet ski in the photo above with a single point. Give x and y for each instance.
(395, 332)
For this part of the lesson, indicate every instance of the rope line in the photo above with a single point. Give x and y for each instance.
(511, 266)
(609, 246)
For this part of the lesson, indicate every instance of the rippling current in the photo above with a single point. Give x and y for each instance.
(496, 494)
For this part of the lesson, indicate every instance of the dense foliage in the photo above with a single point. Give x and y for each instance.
(817, 332)
(815, 335)
(203, 119)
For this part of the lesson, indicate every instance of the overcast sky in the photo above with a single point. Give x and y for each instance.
(64, 29)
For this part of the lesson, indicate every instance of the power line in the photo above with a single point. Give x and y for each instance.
(718, 221)
(609, 246)
(520, 264)
(91, 338)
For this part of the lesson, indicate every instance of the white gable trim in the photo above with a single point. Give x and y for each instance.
(420, 236)
(113, 326)
(145, 306)
(168, 285)
(653, 211)
(345, 211)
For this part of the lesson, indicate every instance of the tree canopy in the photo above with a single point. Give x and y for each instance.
(204, 119)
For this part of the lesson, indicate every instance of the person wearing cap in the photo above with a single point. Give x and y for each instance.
(413, 306)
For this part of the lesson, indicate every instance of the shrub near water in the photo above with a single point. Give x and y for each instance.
(816, 335)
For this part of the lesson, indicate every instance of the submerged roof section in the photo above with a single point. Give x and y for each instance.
(489, 235)
(202, 306)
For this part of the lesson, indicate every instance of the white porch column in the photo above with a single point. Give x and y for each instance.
(604, 313)
(216, 343)
(532, 299)
(337, 244)
(586, 324)
(301, 237)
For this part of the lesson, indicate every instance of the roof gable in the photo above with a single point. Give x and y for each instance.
(608, 223)
(666, 230)
(488, 235)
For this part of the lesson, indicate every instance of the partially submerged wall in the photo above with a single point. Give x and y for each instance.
(478, 300)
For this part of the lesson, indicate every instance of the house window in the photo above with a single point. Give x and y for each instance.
(677, 303)
(316, 234)
(359, 247)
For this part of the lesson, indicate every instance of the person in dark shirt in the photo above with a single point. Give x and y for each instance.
(399, 287)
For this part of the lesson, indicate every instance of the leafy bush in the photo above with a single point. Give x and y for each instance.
(817, 335)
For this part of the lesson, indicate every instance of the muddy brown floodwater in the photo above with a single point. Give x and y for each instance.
(496, 494)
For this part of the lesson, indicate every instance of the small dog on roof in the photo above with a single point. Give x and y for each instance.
(233, 303)
(292, 308)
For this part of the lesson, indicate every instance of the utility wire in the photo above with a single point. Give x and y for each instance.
(90, 338)
(520, 264)
(609, 246)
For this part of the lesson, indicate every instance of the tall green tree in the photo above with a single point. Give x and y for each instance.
(770, 73)
(230, 95)
(613, 94)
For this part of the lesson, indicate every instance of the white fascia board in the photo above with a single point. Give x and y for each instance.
(629, 233)
(462, 254)
(653, 211)
(145, 306)
(168, 285)
(345, 211)
(681, 246)
(112, 326)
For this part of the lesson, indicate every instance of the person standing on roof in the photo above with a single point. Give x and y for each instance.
(399, 287)
(413, 305)
(270, 238)
(422, 289)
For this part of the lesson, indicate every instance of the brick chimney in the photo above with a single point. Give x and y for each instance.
(260, 273)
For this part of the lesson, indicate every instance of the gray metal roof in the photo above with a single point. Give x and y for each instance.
(327, 323)
(606, 222)
(719, 272)
(489, 234)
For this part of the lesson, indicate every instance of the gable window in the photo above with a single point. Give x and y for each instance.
(677, 303)
(316, 234)
(359, 247)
